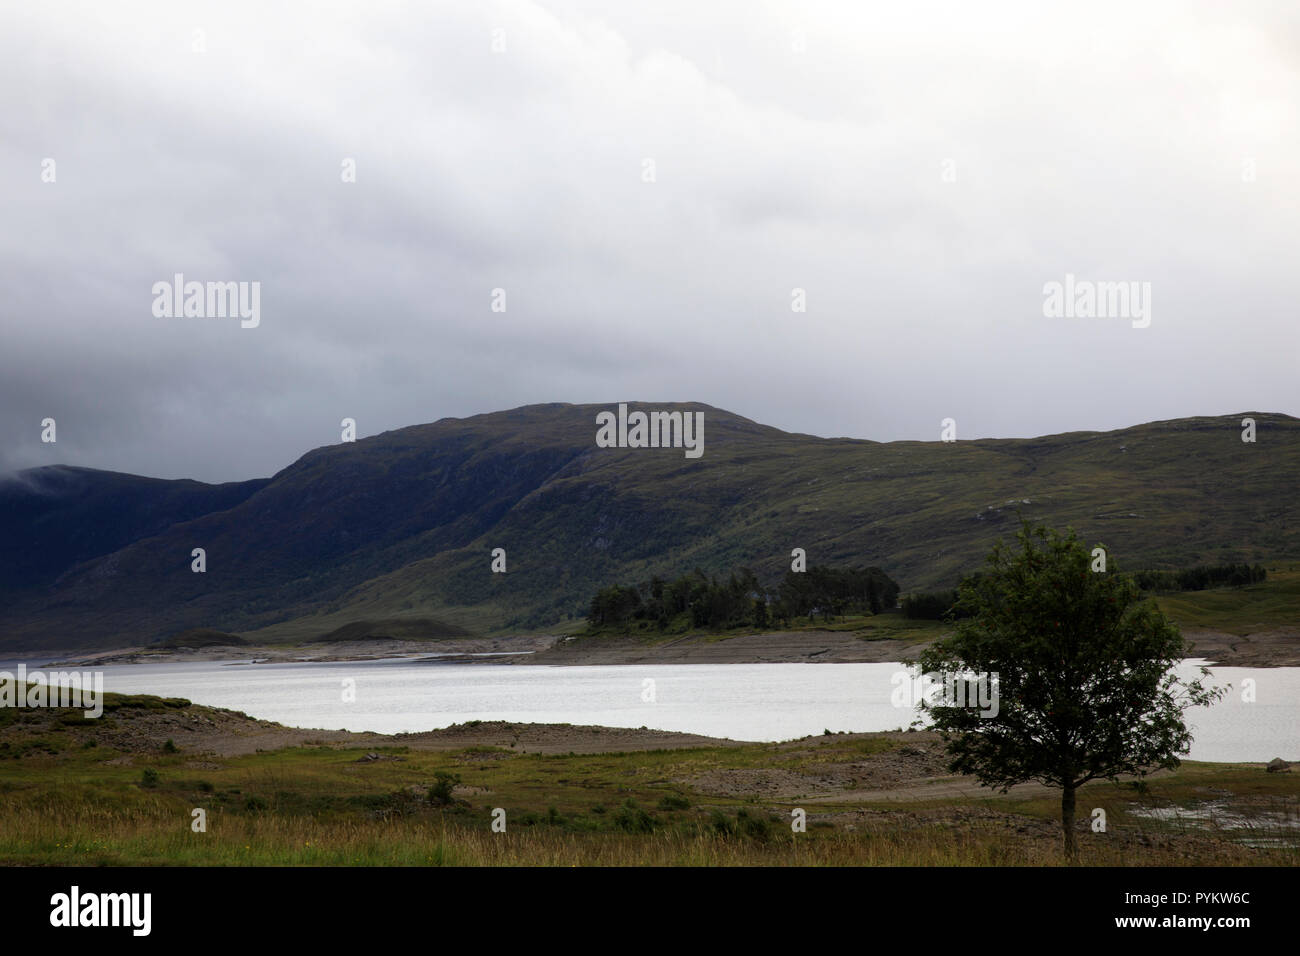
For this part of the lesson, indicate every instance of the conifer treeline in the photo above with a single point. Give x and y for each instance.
(1201, 577)
(941, 605)
(701, 601)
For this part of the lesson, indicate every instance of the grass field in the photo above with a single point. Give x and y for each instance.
(110, 792)
(1271, 603)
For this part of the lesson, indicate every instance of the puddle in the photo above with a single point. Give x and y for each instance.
(1260, 827)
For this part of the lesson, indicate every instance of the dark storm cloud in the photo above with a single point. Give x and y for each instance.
(794, 146)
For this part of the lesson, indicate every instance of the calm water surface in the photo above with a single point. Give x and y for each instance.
(741, 701)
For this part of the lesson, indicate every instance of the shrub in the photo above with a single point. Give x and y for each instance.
(149, 778)
(753, 826)
(746, 824)
(440, 794)
(632, 819)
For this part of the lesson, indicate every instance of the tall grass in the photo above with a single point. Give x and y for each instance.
(102, 835)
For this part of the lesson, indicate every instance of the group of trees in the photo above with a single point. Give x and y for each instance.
(943, 605)
(833, 592)
(827, 592)
(1201, 577)
(699, 600)
(929, 605)
(1083, 667)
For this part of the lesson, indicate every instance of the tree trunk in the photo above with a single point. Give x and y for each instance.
(1067, 825)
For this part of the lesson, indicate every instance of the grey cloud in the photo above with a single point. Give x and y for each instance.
(1112, 149)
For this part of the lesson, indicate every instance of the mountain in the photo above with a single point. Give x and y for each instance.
(54, 518)
(403, 524)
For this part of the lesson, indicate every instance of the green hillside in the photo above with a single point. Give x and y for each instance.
(403, 524)
(1270, 604)
(1166, 494)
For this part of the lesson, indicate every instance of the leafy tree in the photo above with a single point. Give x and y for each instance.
(1085, 688)
(614, 605)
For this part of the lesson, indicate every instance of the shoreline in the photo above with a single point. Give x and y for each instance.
(1270, 647)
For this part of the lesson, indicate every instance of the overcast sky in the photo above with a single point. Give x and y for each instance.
(921, 170)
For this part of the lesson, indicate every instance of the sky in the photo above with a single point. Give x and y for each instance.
(839, 219)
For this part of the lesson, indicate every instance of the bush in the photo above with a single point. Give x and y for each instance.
(440, 794)
(149, 778)
(633, 819)
(753, 826)
(747, 824)
(721, 824)
(170, 747)
(674, 801)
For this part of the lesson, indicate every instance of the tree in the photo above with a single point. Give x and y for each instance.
(1084, 685)
(613, 605)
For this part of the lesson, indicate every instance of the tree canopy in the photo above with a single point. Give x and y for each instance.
(741, 600)
(1084, 673)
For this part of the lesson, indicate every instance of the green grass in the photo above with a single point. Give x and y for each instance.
(1274, 602)
(64, 803)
